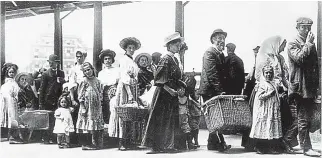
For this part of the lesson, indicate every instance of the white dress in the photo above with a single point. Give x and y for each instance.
(64, 121)
(9, 102)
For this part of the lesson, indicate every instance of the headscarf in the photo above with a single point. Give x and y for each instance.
(267, 55)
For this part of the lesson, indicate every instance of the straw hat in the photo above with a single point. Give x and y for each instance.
(173, 37)
(130, 40)
(148, 56)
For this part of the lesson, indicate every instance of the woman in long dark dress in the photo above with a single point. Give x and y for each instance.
(161, 126)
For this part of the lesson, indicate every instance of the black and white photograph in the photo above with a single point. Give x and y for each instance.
(226, 79)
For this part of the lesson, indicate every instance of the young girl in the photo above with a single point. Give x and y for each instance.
(90, 121)
(266, 127)
(184, 103)
(64, 122)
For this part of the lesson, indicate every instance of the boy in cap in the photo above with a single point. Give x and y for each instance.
(50, 89)
(303, 88)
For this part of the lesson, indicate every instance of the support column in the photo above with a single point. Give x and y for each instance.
(98, 34)
(179, 25)
(2, 34)
(58, 35)
(319, 38)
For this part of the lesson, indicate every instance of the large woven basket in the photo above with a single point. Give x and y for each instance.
(227, 114)
(131, 113)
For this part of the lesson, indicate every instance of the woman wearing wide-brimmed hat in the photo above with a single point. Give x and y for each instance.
(161, 126)
(109, 77)
(126, 87)
(145, 76)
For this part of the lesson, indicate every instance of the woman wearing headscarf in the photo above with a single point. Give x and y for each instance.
(163, 119)
(9, 102)
(109, 77)
(269, 54)
(126, 92)
(145, 76)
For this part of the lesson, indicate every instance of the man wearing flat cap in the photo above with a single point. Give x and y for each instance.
(51, 85)
(235, 71)
(212, 80)
(303, 88)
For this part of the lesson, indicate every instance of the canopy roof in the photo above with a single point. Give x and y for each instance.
(20, 9)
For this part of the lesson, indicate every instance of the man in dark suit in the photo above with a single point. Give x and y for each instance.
(50, 90)
(212, 80)
(235, 71)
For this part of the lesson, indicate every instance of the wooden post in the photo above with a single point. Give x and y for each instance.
(98, 32)
(319, 39)
(58, 35)
(2, 34)
(179, 25)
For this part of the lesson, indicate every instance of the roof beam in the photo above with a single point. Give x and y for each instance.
(185, 3)
(14, 3)
(31, 11)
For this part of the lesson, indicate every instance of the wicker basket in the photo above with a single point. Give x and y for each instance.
(131, 113)
(227, 114)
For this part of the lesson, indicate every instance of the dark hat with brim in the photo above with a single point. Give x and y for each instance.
(256, 48)
(53, 58)
(148, 56)
(217, 31)
(304, 21)
(130, 40)
(107, 52)
(156, 54)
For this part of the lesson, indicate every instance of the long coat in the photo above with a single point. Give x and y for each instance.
(235, 74)
(213, 73)
(50, 90)
(304, 70)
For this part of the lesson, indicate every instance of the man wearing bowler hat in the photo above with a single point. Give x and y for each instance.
(50, 90)
(212, 80)
(304, 84)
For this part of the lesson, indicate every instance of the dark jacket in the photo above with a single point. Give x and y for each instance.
(50, 90)
(235, 74)
(304, 70)
(213, 73)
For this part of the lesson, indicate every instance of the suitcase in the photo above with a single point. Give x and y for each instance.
(38, 119)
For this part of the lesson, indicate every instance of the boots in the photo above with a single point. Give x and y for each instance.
(189, 141)
(194, 134)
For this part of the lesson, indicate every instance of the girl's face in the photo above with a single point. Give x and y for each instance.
(143, 61)
(130, 49)
(88, 71)
(63, 103)
(268, 75)
(108, 60)
(181, 92)
(23, 81)
(11, 73)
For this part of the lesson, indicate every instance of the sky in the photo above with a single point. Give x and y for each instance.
(247, 23)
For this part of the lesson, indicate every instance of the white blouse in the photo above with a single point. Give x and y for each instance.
(109, 76)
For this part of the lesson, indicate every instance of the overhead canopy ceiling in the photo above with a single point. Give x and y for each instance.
(20, 9)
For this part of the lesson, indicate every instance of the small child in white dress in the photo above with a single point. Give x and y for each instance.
(64, 122)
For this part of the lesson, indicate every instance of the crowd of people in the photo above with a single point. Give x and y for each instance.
(280, 98)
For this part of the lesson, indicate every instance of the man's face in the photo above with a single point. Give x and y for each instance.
(219, 41)
(80, 58)
(304, 30)
(54, 64)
